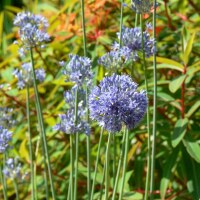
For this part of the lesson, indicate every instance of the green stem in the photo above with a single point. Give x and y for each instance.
(76, 146)
(69, 189)
(154, 109)
(107, 167)
(102, 181)
(72, 167)
(121, 23)
(124, 165)
(41, 122)
(16, 189)
(136, 19)
(30, 142)
(148, 113)
(114, 158)
(97, 162)
(3, 183)
(119, 166)
(83, 25)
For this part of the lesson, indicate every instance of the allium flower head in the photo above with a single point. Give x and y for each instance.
(25, 75)
(5, 138)
(132, 42)
(6, 117)
(79, 70)
(111, 60)
(67, 123)
(116, 102)
(32, 30)
(141, 6)
(12, 169)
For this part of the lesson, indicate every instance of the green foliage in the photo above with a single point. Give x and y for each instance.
(177, 171)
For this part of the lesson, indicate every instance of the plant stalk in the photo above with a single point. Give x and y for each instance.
(41, 122)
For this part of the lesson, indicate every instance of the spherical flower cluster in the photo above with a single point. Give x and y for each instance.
(132, 42)
(116, 102)
(25, 76)
(5, 138)
(141, 6)
(79, 70)
(32, 30)
(111, 60)
(6, 117)
(12, 169)
(69, 126)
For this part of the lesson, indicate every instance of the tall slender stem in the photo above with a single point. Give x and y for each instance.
(121, 23)
(72, 167)
(83, 25)
(148, 114)
(76, 146)
(16, 189)
(41, 122)
(114, 158)
(96, 164)
(3, 183)
(124, 165)
(30, 142)
(154, 109)
(119, 166)
(107, 167)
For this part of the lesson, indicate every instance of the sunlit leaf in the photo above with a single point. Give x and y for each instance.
(175, 84)
(179, 131)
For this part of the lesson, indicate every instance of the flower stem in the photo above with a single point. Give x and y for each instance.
(41, 122)
(154, 109)
(119, 167)
(107, 167)
(97, 162)
(148, 114)
(3, 183)
(72, 167)
(114, 158)
(124, 164)
(121, 23)
(83, 25)
(16, 189)
(33, 188)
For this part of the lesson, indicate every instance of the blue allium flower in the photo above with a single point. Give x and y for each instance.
(132, 43)
(32, 30)
(111, 60)
(6, 117)
(116, 102)
(67, 121)
(5, 138)
(25, 75)
(12, 169)
(141, 6)
(79, 70)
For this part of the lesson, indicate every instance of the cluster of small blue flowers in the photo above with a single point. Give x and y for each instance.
(25, 75)
(141, 6)
(6, 117)
(32, 30)
(67, 121)
(131, 46)
(132, 40)
(79, 70)
(116, 102)
(12, 169)
(5, 138)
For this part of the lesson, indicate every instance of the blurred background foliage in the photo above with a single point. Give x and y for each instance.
(178, 122)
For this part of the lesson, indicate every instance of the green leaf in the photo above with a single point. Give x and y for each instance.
(192, 147)
(179, 131)
(176, 83)
(23, 151)
(169, 165)
(188, 49)
(168, 62)
(133, 196)
(193, 109)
